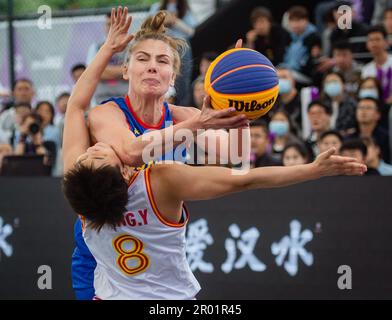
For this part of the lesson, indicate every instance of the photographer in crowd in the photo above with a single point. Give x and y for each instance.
(30, 139)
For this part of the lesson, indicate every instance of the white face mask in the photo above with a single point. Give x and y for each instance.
(333, 89)
(368, 93)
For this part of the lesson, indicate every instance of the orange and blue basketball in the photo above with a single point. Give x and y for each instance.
(244, 79)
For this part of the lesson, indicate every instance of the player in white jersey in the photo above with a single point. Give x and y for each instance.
(134, 220)
(144, 257)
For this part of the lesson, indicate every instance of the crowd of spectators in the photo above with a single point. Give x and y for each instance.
(335, 87)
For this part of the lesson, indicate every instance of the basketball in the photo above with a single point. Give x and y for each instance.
(244, 79)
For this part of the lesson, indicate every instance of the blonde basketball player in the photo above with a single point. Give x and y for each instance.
(134, 221)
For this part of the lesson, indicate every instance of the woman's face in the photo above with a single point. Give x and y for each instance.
(150, 70)
(279, 116)
(46, 114)
(328, 142)
(100, 154)
(368, 84)
(292, 157)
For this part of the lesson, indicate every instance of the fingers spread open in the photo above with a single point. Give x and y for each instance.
(128, 23)
(124, 16)
(113, 17)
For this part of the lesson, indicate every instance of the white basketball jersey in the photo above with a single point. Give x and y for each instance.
(145, 257)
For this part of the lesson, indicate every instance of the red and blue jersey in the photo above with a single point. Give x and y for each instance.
(83, 262)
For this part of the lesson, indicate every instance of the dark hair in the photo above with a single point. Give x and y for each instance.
(21, 80)
(22, 104)
(342, 45)
(260, 123)
(209, 55)
(260, 12)
(331, 132)
(77, 67)
(339, 74)
(63, 95)
(51, 108)
(182, 7)
(354, 144)
(300, 147)
(388, 9)
(379, 29)
(377, 102)
(341, 3)
(298, 12)
(98, 194)
(327, 108)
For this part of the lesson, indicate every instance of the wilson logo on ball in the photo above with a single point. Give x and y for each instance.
(244, 79)
(250, 106)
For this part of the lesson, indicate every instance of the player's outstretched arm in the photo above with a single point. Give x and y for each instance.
(181, 182)
(76, 137)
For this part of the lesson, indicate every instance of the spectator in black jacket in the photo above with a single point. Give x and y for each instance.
(356, 148)
(259, 145)
(367, 116)
(267, 37)
(343, 106)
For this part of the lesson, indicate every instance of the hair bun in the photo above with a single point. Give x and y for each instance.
(154, 24)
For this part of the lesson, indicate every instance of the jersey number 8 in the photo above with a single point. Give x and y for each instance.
(134, 253)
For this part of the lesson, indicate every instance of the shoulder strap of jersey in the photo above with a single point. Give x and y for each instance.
(168, 121)
(134, 126)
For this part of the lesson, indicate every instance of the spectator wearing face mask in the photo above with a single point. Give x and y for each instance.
(381, 65)
(343, 106)
(374, 158)
(280, 133)
(370, 88)
(289, 99)
(295, 154)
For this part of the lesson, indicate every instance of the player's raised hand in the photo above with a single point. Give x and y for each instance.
(328, 164)
(219, 119)
(118, 37)
(238, 44)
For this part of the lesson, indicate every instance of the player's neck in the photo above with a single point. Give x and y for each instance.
(149, 110)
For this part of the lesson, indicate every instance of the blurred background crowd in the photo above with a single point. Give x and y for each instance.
(335, 85)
